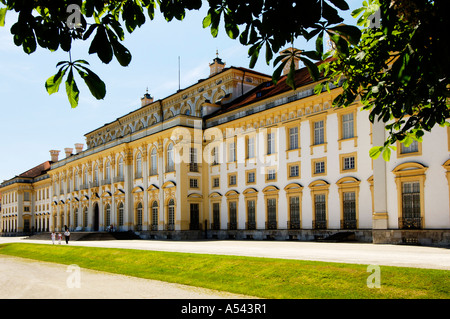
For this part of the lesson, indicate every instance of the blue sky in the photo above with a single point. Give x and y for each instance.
(33, 122)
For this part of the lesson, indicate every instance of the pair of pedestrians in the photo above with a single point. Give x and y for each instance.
(66, 235)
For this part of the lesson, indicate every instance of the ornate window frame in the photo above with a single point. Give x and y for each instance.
(410, 172)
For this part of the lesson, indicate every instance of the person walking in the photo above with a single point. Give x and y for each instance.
(59, 238)
(67, 235)
(53, 236)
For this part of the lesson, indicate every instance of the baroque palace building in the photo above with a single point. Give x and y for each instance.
(235, 156)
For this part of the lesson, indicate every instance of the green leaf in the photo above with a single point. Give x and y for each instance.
(215, 20)
(352, 33)
(231, 27)
(341, 4)
(290, 80)
(269, 53)
(375, 152)
(2, 16)
(123, 55)
(72, 90)
(277, 73)
(387, 154)
(101, 45)
(93, 82)
(207, 21)
(254, 52)
(318, 88)
(52, 84)
(312, 68)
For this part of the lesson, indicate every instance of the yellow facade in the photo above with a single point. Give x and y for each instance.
(232, 156)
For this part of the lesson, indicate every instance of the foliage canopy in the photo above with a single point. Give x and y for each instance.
(395, 60)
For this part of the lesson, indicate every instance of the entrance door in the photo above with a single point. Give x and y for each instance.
(195, 221)
(96, 217)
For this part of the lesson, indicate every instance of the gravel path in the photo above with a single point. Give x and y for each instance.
(24, 278)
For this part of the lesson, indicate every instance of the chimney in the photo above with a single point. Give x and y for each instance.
(68, 151)
(147, 99)
(217, 66)
(78, 148)
(287, 67)
(54, 155)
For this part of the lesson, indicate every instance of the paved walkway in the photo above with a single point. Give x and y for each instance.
(23, 278)
(358, 253)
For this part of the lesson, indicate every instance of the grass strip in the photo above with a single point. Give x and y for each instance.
(260, 277)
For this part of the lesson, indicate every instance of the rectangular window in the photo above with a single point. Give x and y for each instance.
(349, 162)
(251, 147)
(294, 212)
(154, 164)
(293, 138)
(293, 171)
(320, 212)
(251, 177)
(411, 199)
(232, 216)
(349, 210)
(411, 217)
(215, 155)
(251, 214)
(232, 152)
(193, 183)
(412, 148)
(271, 213)
(232, 180)
(216, 182)
(319, 137)
(271, 174)
(216, 216)
(270, 143)
(193, 166)
(347, 126)
(26, 196)
(319, 167)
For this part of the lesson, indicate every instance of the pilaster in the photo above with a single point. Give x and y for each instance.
(380, 213)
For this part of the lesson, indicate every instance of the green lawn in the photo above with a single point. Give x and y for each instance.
(260, 277)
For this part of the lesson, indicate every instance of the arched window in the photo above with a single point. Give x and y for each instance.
(170, 162)
(139, 165)
(139, 217)
(171, 214)
(107, 171)
(120, 168)
(120, 214)
(75, 218)
(107, 215)
(154, 162)
(96, 175)
(85, 178)
(85, 218)
(188, 111)
(77, 183)
(155, 215)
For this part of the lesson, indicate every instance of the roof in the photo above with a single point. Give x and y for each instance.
(245, 70)
(37, 170)
(266, 90)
